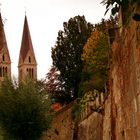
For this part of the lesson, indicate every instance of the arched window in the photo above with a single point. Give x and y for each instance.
(29, 59)
(20, 74)
(0, 72)
(32, 73)
(6, 71)
(3, 72)
(3, 57)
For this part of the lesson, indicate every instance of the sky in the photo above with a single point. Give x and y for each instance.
(45, 19)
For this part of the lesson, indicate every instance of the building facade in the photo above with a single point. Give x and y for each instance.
(27, 65)
(5, 61)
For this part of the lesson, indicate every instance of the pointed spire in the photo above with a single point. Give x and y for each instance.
(5, 61)
(1, 20)
(3, 43)
(26, 44)
(27, 65)
(1, 33)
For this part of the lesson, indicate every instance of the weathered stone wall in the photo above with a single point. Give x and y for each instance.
(107, 119)
(125, 86)
(62, 125)
(91, 128)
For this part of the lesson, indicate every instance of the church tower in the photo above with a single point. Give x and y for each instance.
(5, 61)
(27, 66)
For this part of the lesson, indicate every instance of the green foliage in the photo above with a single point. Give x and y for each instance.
(54, 87)
(24, 111)
(76, 110)
(67, 52)
(83, 102)
(96, 60)
(115, 5)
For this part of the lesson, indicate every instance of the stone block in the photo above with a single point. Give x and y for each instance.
(106, 125)
(97, 102)
(129, 134)
(102, 97)
(138, 102)
(134, 105)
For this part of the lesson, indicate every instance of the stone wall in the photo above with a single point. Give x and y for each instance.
(107, 119)
(90, 123)
(62, 125)
(91, 128)
(124, 101)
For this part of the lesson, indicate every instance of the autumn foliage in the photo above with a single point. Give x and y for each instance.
(95, 56)
(80, 59)
(66, 54)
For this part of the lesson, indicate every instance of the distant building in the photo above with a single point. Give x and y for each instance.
(5, 61)
(27, 65)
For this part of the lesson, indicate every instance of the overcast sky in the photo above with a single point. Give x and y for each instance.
(45, 19)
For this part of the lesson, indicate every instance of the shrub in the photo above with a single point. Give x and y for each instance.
(24, 110)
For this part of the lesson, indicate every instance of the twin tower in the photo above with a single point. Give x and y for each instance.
(27, 65)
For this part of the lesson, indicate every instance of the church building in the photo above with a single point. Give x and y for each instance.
(27, 65)
(5, 61)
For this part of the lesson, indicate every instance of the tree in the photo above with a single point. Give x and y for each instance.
(52, 82)
(67, 52)
(95, 56)
(55, 87)
(24, 111)
(115, 5)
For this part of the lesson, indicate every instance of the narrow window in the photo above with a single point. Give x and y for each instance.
(6, 71)
(3, 57)
(20, 74)
(3, 72)
(0, 72)
(29, 59)
(32, 73)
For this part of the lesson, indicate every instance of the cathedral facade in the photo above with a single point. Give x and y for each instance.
(27, 65)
